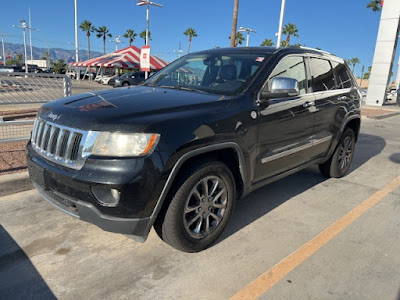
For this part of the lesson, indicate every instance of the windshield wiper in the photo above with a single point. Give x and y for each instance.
(184, 88)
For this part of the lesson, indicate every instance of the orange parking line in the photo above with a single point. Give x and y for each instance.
(260, 285)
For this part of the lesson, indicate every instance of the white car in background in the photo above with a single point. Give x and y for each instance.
(106, 79)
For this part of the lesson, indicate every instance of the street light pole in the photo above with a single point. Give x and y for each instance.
(24, 27)
(4, 52)
(30, 35)
(147, 3)
(278, 43)
(117, 40)
(78, 75)
(242, 29)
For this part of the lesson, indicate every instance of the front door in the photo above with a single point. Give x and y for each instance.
(286, 125)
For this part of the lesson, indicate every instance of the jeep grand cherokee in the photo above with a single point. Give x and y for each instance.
(176, 152)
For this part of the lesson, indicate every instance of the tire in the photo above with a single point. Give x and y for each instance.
(194, 219)
(339, 163)
(125, 84)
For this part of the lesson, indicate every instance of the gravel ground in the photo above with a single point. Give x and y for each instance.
(12, 158)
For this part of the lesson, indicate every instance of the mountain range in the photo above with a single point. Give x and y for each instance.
(55, 53)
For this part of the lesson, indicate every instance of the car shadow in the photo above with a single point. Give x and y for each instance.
(19, 279)
(267, 198)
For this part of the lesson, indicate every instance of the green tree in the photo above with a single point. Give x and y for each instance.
(239, 39)
(103, 32)
(58, 66)
(87, 27)
(19, 58)
(131, 35)
(143, 36)
(354, 61)
(375, 5)
(12, 62)
(234, 23)
(290, 30)
(267, 43)
(283, 44)
(191, 33)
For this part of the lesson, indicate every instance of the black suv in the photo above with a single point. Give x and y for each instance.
(176, 152)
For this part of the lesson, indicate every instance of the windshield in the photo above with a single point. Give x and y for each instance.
(225, 74)
(126, 74)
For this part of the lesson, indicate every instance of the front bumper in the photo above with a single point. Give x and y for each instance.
(138, 181)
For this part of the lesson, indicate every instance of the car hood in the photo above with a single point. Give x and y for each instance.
(127, 109)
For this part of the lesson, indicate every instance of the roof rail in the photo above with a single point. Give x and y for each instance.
(308, 48)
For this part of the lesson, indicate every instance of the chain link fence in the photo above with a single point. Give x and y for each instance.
(18, 88)
(24, 88)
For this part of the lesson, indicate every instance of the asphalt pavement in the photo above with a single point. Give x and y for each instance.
(45, 253)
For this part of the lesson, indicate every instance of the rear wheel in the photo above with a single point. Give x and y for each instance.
(125, 84)
(201, 204)
(339, 163)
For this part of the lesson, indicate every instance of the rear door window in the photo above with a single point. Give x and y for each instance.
(342, 76)
(322, 75)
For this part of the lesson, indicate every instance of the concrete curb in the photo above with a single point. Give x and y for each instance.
(379, 117)
(15, 183)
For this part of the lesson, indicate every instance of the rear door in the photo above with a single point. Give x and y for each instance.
(332, 97)
(286, 125)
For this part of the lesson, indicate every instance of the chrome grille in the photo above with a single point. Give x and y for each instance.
(64, 145)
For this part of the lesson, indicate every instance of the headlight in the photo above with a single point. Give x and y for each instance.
(124, 144)
(116, 80)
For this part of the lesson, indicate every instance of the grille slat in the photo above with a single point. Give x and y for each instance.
(58, 143)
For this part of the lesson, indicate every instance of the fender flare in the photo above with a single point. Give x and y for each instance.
(182, 160)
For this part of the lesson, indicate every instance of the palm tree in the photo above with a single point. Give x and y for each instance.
(354, 61)
(283, 44)
(143, 36)
(191, 33)
(87, 26)
(234, 23)
(267, 43)
(103, 32)
(239, 39)
(375, 5)
(291, 30)
(130, 34)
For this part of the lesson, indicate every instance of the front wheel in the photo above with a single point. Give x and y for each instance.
(200, 207)
(339, 163)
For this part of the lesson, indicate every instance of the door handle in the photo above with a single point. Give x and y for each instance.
(308, 104)
(342, 98)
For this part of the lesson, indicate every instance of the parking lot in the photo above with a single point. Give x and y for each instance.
(303, 237)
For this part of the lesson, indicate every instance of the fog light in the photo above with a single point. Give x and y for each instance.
(106, 197)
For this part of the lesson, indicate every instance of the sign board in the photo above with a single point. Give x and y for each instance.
(145, 58)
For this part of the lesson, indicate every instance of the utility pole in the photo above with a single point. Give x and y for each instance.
(24, 27)
(147, 3)
(179, 51)
(278, 43)
(2, 42)
(78, 75)
(242, 29)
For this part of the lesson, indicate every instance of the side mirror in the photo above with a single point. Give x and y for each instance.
(282, 87)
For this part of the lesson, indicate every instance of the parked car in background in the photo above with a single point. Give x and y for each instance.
(391, 93)
(364, 94)
(177, 151)
(106, 79)
(130, 78)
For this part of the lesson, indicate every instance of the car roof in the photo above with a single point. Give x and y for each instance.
(273, 50)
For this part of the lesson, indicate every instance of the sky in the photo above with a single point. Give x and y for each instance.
(345, 28)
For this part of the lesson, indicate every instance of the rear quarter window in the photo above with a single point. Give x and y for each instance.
(342, 76)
